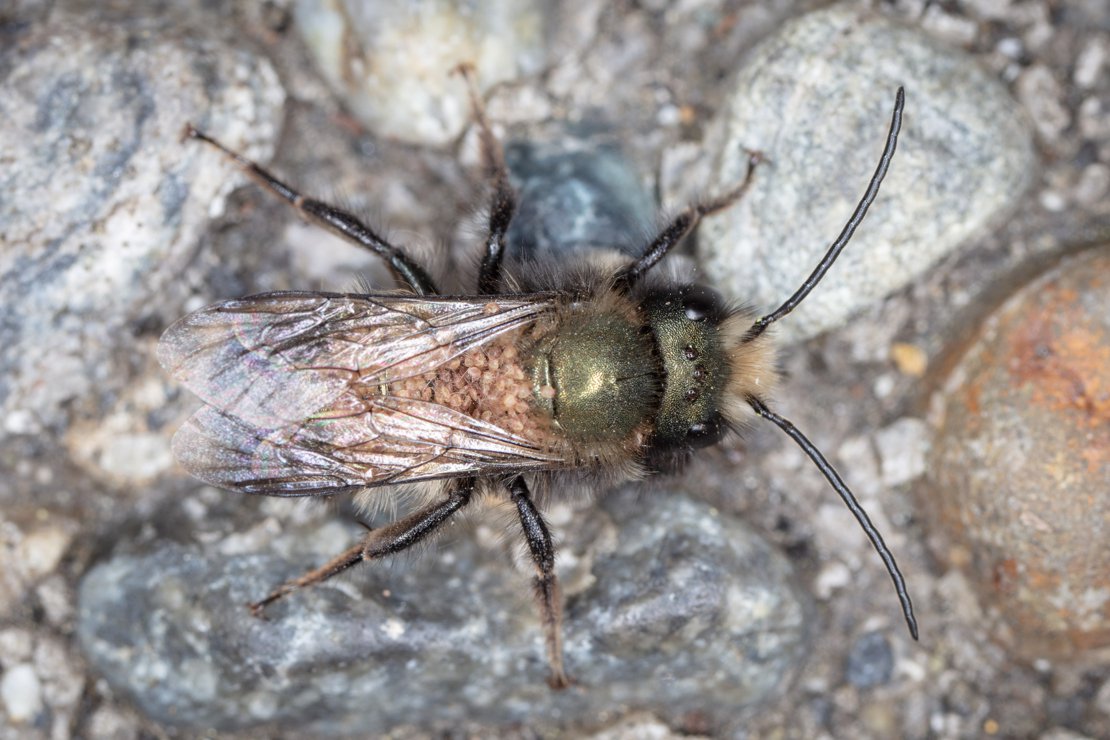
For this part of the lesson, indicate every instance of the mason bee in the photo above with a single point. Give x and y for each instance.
(608, 372)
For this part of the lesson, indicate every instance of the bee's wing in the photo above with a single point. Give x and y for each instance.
(278, 358)
(279, 373)
(393, 440)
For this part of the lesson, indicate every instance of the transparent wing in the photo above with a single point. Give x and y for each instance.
(285, 377)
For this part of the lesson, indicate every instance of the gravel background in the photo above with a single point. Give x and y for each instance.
(101, 254)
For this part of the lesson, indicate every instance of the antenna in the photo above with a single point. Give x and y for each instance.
(791, 303)
(849, 228)
(850, 501)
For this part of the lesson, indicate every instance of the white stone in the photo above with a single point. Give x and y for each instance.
(392, 62)
(15, 645)
(42, 549)
(1093, 185)
(1043, 96)
(21, 693)
(1091, 61)
(902, 449)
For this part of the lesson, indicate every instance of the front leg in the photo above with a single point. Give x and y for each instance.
(545, 585)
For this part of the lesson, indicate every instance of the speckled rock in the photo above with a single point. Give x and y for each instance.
(682, 612)
(1019, 476)
(391, 62)
(816, 99)
(110, 204)
(870, 661)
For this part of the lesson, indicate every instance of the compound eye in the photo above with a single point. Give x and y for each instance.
(700, 303)
(703, 434)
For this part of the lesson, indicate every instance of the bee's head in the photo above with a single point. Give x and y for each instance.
(711, 366)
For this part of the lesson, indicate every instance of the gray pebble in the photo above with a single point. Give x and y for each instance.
(870, 661)
(110, 204)
(686, 612)
(816, 99)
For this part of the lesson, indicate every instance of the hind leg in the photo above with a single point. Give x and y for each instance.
(390, 539)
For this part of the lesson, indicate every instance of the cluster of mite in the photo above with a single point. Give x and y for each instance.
(490, 383)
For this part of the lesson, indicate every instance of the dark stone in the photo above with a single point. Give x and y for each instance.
(870, 661)
(683, 612)
(573, 199)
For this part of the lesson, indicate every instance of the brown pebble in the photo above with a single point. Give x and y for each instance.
(1019, 473)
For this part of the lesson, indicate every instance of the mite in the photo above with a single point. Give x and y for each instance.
(608, 373)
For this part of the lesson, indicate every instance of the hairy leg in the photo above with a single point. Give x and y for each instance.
(545, 585)
(331, 218)
(682, 225)
(390, 539)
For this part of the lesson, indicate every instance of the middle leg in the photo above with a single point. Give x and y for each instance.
(546, 586)
(503, 201)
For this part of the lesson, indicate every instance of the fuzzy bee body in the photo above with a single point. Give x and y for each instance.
(602, 369)
(315, 394)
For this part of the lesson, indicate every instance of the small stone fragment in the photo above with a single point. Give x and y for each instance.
(42, 549)
(1043, 96)
(111, 722)
(1093, 58)
(1094, 185)
(21, 693)
(902, 449)
(909, 359)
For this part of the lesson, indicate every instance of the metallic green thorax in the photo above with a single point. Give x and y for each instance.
(695, 369)
(597, 376)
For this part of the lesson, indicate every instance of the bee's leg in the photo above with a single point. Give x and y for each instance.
(387, 540)
(503, 201)
(682, 225)
(340, 222)
(546, 587)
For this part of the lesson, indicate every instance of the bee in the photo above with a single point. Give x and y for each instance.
(605, 371)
